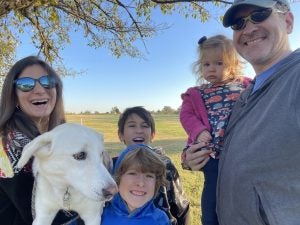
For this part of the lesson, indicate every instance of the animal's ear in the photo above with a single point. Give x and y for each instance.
(107, 161)
(39, 146)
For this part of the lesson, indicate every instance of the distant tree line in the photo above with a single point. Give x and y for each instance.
(116, 110)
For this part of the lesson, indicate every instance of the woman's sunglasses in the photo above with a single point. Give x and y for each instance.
(255, 18)
(27, 83)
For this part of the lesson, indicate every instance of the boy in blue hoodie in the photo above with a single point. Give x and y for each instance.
(139, 173)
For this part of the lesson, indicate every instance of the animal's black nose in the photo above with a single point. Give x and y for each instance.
(109, 191)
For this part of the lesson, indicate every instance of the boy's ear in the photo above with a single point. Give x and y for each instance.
(152, 137)
(120, 137)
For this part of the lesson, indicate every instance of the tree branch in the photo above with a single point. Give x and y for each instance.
(178, 1)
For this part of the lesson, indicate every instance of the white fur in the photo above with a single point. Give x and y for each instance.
(56, 169)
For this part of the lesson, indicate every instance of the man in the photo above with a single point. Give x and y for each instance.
(259, 170)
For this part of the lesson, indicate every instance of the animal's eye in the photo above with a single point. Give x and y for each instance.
(80, 156)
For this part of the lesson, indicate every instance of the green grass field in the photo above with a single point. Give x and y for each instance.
(169, 135)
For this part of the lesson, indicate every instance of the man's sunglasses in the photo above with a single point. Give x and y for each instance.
(28, 83)
(255, 18)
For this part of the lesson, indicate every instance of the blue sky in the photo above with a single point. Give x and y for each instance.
(154, 82)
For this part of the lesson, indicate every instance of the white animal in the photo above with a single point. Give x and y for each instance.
(70, 173)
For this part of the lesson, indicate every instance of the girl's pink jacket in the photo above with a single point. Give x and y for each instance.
(193, 115)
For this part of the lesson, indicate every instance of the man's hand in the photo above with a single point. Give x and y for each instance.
(196, 159)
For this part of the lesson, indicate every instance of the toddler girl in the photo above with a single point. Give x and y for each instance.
(206, 109)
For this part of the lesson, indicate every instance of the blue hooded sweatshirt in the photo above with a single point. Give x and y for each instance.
(117, 213)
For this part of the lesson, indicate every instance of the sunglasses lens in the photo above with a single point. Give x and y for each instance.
(45, 81)
(25, 84)
(259, 17)
(239, 24)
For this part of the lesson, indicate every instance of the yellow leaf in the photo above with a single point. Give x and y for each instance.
(6, 169)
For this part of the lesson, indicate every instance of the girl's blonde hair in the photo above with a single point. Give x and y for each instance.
(231, 59)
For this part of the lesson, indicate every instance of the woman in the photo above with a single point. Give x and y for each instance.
(31, 104)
